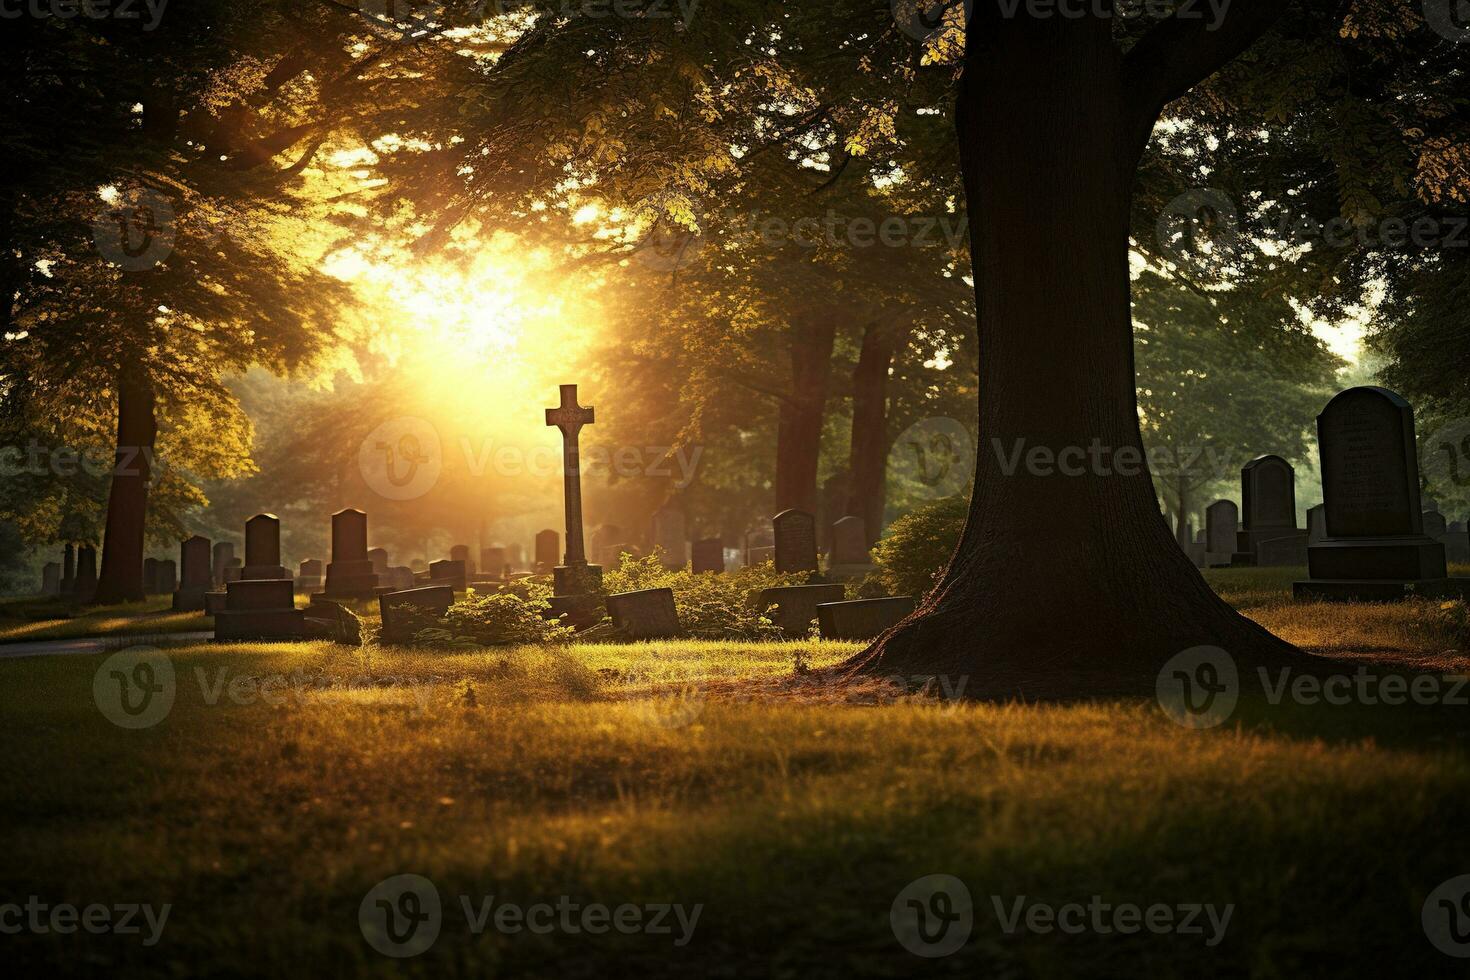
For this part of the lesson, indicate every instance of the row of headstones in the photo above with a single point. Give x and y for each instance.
(1372, 537)
(76, 578)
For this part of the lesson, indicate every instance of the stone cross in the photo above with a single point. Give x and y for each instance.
(569, 417)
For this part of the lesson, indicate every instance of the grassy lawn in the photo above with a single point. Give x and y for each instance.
(26, 619)
(691, 774)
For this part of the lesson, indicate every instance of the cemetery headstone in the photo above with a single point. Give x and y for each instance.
(709, 555)
(796, 541)
(548, 544)
(234, 571)
(1316, 523)
(350, 574)
(167, 577)
(379, 558)
(493, 563)
(850, 548)
(310, 575)
(670, 537)
(150, 576)
(796, 606)
(450, 572)
(195, 577)
(1375, 546)
(1457, 543)
(1435, 526)
(51, 578)
(223, 556)
(648, 614)
(398, 623)
(1268, 489)
(862, 619)
(259, 609)
(577, 584)
(460, 552)
(263, 548)
(1222, 520)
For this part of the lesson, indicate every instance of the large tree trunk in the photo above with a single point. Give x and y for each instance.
(1061, 584)
(799, 429)
(868, 459)
(121, 577)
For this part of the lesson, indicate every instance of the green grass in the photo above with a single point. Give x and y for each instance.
(794, 818)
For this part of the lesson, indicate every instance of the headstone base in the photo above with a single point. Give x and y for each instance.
(263, 571)
(1380, 590)
(1407, 558)
(214, 602)
(189, 600)
(259, 624)
(350, 580)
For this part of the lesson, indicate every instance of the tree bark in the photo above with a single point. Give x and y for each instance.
(803, 411)
(121, 576)
(868, 458)
(1065, 581)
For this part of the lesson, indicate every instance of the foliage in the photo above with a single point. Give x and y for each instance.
(481, 619)
(710, 606)
(918, 546)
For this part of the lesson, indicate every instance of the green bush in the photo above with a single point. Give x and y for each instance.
(710, 606)
(516, 614)
(918, 546)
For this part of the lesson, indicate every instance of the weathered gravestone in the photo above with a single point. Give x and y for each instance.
(615, 553)
(796, 606)
(310, 575)
(1435, 526)
(1197, 548)
(796, 541)
(759, 547)
(194, 574)
(399, 622)
(51, 578)
(234, 572)
(166, 577)
(223, 557)
(259, 609)
(862, 619)
(708, 555)
(850, 556)
(450, 572)
(1222, 520)
(461, 553)
(606, 538)
(150, 576)
(86, 584)
(263, 548)
(493, 562)
(1268, 489)
(400, 578)
(1457, 543)
(548, 546)
(350, 574)
(379, 558)
(1375, 547)
(648, 614)
(670, 537)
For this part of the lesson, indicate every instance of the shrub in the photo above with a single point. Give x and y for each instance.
(918, 546)
(710, 606)
(516, 614)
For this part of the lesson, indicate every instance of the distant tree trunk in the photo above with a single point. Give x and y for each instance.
(868, 459)
(121, 576)
(803, 411)
(1181, 515)
(1066, 584)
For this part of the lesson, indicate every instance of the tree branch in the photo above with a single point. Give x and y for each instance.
(1184, 50)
